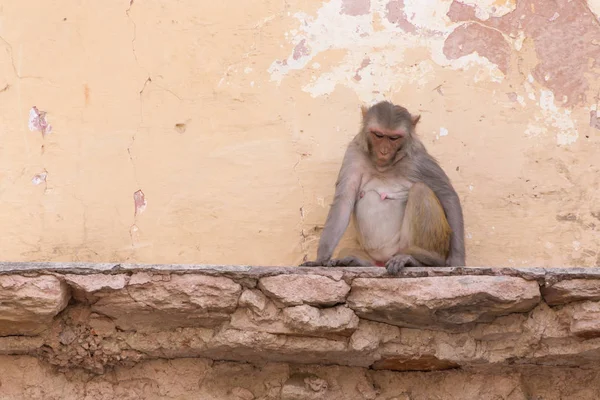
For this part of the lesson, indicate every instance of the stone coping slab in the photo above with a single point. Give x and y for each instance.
(549, 274)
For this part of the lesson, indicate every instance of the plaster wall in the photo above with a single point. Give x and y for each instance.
(212, 132)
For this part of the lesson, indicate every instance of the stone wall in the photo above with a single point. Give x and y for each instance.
(173, 332)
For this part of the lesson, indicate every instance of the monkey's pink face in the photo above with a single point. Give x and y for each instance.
(385, 143)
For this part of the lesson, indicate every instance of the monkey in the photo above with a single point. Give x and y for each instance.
(405, 209)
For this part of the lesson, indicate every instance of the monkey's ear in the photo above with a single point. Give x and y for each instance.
(364, 110)
(415, 119)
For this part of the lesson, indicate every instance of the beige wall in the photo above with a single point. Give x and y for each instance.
(268, 93)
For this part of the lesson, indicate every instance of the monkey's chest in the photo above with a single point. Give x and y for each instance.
(378, 214)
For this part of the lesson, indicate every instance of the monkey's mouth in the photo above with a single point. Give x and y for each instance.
(382, 158)
(383, 162)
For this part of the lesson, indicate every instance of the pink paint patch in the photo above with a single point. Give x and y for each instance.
(300, 50)
(565, 48)
(140, 202)
(461, 12)
(37, 121)
(396, 15)
(471, 37)
(594, 120)
(365, 63)
(356, 7)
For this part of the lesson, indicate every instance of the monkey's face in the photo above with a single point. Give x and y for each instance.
(384, 143)
(387, 128)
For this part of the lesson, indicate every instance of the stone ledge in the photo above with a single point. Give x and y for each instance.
(95, 316)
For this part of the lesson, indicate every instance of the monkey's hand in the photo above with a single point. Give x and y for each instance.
(455, 261)
(398, 262)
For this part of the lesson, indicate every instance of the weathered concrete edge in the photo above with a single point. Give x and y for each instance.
(542, 275)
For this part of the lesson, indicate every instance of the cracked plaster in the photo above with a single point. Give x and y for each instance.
(234, 127)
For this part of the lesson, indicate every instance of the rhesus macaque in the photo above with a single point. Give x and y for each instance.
(405, 209)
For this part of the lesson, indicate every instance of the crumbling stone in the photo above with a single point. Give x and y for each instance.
(294, 290)
(85, 287)
(452, 303)
(304, 386)
(340, 320)
(571, 290)
(253, 299)
(28, 304)
(161, 302)
(585, 319)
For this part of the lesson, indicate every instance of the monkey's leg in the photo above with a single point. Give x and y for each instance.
(425, 231)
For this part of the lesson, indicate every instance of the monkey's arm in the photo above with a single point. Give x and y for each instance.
(338, 218)
(429, 172)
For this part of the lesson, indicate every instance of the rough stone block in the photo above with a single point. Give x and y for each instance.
(453, 303)
(157, 303)
(585, 319)
(294, 290)
(304, 386)
(254, 300)
(370, 335)
(85, 287)
(311, 320)
(571, 290)
(28, 304)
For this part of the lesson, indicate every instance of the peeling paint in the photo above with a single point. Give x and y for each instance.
(559, 118)
(301, 50)
(37, 121)
(39, 178)
(594, 120)
(470, 38)
(140, 203)
(509, 82)
(365, 63)
(355, 7)
(331, 29)
(594, 6)
(559, 32)
(485, 9)
(534, 130)
(397, 15)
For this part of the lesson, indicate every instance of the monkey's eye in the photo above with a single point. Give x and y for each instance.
(379, 135)
(394, 137)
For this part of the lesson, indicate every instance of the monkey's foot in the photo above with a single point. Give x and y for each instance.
(350, 261)
(399, 261)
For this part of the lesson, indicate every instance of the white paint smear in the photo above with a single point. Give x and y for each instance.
(39, 178)
(387, 71)
(558, 118)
